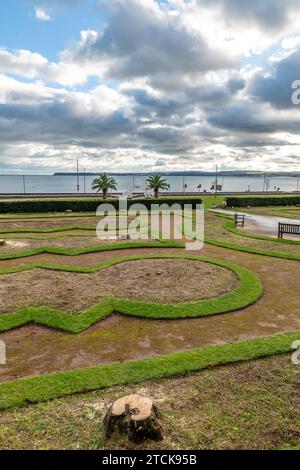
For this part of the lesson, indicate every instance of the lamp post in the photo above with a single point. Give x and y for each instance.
(78, 186)
(24, 185)
(184, 185)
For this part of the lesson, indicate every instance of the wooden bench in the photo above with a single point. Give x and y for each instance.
(291, 229)
(239, 220)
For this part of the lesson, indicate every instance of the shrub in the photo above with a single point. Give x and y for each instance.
(82, 205)
(262, 201)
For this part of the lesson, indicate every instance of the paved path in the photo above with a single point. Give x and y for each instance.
(265, 224)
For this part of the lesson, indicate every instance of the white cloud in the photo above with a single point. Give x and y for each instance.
(174, 89)
(145, 39)
(42, 14)
(100, 101)
(33, 65)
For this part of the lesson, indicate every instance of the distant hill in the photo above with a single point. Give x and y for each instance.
(189, 173)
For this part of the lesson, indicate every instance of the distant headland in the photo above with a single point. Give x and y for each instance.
(186, 173)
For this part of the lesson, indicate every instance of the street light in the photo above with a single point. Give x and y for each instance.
(78, 186)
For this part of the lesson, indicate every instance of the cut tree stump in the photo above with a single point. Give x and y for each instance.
(135, 416)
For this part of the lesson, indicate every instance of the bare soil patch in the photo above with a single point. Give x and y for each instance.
(35, 350)
(53, 222)
(157, 280)
(22, 244)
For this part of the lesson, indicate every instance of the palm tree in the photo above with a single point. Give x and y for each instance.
(156, 182)
(104, 183)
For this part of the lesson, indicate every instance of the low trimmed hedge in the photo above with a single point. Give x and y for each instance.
(91, 249)
(82, 205)
(262, 201)
(230, 226)
(248, 291)
(59, 384)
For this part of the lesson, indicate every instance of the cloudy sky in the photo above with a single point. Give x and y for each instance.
(137, 85)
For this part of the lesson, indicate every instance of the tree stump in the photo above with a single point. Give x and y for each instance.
(2, 242)
(135, 416)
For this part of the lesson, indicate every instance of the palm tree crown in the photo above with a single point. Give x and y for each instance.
(156, 182)
(103, 183)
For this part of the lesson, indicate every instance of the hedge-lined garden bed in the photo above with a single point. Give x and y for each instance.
(248, 291)
(47, 387)
(263, 201)
(83, 205)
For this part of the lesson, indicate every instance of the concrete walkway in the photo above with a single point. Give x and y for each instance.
(264, 224)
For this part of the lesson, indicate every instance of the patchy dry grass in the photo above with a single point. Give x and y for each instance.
(250, 405)
(155, 280)
(214, 229)
(253, 405)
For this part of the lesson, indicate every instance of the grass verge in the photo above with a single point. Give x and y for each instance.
(35, 389)
(63, 228)
(91, 249)
(247, 292)
(252, 250)
(231, 228)
(244, 248)
(159, 244)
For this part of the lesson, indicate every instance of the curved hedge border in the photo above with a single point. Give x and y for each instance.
(247, 292)
(47, 237)
(248, 249)
(47, 387)
(63, 228)
(155, 244)
(254, 251)
(56, 215)
(231, 228)
(92, 249)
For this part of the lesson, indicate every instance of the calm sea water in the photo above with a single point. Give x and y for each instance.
(130, 183)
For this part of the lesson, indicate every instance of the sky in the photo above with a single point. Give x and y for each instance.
(145, 85)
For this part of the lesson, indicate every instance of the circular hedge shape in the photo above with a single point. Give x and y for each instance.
(248, 291)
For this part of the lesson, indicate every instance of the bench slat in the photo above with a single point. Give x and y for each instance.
(292, 229)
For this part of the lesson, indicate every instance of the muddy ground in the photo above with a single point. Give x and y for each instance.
(36, 350)
(156, 280)
(66, 242)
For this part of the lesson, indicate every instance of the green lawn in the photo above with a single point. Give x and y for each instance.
(250, 405)
(217, 233)
(42, 388)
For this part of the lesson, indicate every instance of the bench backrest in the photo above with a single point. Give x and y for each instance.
(288, 228)
(239, 220)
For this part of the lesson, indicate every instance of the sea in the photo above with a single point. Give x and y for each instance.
(130, 183)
